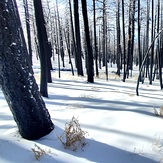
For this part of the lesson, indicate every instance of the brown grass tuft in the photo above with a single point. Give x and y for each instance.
(38, 152)
(73, 136)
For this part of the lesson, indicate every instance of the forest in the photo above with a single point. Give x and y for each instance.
(90, 64)
(124, 33)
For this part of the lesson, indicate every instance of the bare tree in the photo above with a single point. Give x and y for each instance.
(16, 77)
(124, 42)
(43, 46)
(78, 39)
(27, 17)
(152, 50)
(90, 69)
(139, 37)
(118, 37)
(95, 38)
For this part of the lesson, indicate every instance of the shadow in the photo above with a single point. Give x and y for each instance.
(146, 96)
(11, 152)
(1, 96)
(7, 126)
(101, 87)
(20, 151)
(94, 103)
(102, 153)
(73, 85)
(93, 151)
(6, 117)
(109, 130)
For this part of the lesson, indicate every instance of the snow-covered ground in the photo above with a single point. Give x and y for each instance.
(122, 127)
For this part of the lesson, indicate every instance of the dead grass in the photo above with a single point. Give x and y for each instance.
(38, 152)
(95, 88)
(157, 146)
(73, 136)
(159, 113)
(86, 96)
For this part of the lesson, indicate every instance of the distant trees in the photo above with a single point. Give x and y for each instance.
(131, 36)
(16, 77)
(27, 17)
(120, 33)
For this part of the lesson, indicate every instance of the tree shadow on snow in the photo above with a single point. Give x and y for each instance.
(17, 151)
(13, 152)
(94, 151)
(101, 104)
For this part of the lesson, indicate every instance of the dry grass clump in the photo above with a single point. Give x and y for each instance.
(161, 160)
(38, 152)
(73, 136)
(86, 96)
(160, 114)
(95, 88)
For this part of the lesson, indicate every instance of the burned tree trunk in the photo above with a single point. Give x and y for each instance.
(16, 78)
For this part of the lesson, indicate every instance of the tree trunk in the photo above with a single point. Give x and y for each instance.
(57, 45)
(152, 50)
(132, 34)
(61, 48)
(68, 49)
(158, 46)
(95, 38)
(124, 42)
(147, 36)
(90, 70)
(27, 17)
(17, 81)
(99, 51)
(73, 44)
(118, 38)
(43, 45)
(77, 34)
(139, 38)
(129, 38)
(104, 33)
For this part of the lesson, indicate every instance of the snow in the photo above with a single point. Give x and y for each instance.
(122, 127)
(13, 44)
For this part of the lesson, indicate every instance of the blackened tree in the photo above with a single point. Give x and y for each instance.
(118, 38)
(27, 17)
(16, 77)
(77, 36)
(131, 31)
(43, 46)
(139, 37)
(95, 38)
(124, 42)
(90, 69)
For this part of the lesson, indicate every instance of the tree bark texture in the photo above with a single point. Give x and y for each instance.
(90, 69)
(78, 38)
(95, 39)
(43, 45)
(27, 17)
(17, 81)
(118, 38)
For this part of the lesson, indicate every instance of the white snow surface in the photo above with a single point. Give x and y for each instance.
(122, 127)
